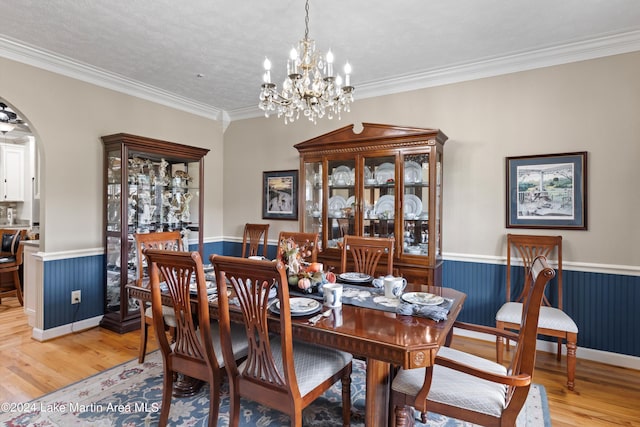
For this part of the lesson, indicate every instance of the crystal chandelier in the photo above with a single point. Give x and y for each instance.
(310, 86)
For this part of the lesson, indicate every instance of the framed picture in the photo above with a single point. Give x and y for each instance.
(547, 191)
(280, 195)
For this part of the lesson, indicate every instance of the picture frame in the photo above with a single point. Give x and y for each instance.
(280, 195)
(547, 191)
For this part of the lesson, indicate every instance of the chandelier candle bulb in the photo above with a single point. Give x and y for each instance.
(329, 64)
(267, 70)
(347, 72)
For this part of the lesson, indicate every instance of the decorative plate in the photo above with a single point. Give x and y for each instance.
(412, 204)
(422, 298)
(355, 277)
(385, 172)
(386, 203)
(337, 202)
(412, 172)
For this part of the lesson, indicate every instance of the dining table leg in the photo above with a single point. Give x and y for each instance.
(377, 393)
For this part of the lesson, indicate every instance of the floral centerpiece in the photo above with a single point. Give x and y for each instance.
(307, 276)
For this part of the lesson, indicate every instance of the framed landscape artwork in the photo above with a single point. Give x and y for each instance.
(547, 191)
(280, 195)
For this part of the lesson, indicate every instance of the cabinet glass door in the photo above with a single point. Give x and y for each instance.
(379, 196)
(415, 205)
(341, 202)
(313, 208)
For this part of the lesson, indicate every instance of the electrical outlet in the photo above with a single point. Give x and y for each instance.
(75, 297)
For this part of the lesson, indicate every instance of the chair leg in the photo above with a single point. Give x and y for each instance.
(167, 392)
(18, 285)
(144, 332)
(559, 350)
(404, 416)
(346, 397)
(499, 344)
(572, 339)
(214, 401)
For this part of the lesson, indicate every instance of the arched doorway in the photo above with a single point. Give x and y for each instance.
(20, 198)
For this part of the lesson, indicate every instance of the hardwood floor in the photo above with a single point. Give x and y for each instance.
(605, 395)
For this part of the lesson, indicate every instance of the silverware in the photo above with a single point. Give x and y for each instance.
(315, 319)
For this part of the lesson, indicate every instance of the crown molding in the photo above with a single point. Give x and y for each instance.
(20, 52)
(556, 55)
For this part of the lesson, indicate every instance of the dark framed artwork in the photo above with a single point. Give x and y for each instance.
(280, 195)
(547, 191)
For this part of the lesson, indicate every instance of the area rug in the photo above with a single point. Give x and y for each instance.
(130, 395)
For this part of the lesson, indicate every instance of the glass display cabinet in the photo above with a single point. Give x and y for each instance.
(384, 181)
(150, 186)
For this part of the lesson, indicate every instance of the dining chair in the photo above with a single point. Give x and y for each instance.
(10, 262)
(553, 320)
(468, 387)
(366, 252)
(253, 234)
(307, 242)
(196, 351)
(166, 240)
(278, 372)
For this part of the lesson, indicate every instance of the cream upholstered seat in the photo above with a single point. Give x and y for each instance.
(471, 388)
(279, 372)
(553, 320)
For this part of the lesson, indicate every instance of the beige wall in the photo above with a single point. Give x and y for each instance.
(589, 106)
(69, 117)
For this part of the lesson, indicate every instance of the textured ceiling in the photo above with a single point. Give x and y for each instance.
(156, 48)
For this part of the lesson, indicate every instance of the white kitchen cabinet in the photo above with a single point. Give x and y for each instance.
(12, 173)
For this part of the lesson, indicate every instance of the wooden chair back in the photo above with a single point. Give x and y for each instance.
(251, 238)
(164, 240)
(524, 358)
(514, 383)
(193, 352)
(366, 252)
(10, 262)
(252, 280)
(307, 242)
(268, 375)
(527, 248)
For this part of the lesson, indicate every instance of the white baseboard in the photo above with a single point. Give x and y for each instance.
(616, 359)
(48, 334)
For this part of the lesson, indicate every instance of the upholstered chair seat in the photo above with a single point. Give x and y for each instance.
(470, 392)
(550, 317)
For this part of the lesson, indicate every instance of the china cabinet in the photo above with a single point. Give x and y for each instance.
(383, 181)
(150, 186)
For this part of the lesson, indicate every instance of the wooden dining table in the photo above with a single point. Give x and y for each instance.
(386, 340)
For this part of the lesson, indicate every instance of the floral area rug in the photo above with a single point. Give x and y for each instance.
(130, 395)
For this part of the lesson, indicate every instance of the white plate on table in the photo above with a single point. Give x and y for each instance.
(212, 288)
(422, 298)
(354, 277)
(299, 306)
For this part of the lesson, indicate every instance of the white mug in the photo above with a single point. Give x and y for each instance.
(332, 293)
(393, 286)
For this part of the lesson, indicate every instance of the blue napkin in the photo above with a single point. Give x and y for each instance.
(435, 312)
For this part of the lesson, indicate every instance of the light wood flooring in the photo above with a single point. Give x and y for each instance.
(605, 395)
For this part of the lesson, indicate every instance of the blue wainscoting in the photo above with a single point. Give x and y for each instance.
(605, 306)
(62, 276)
